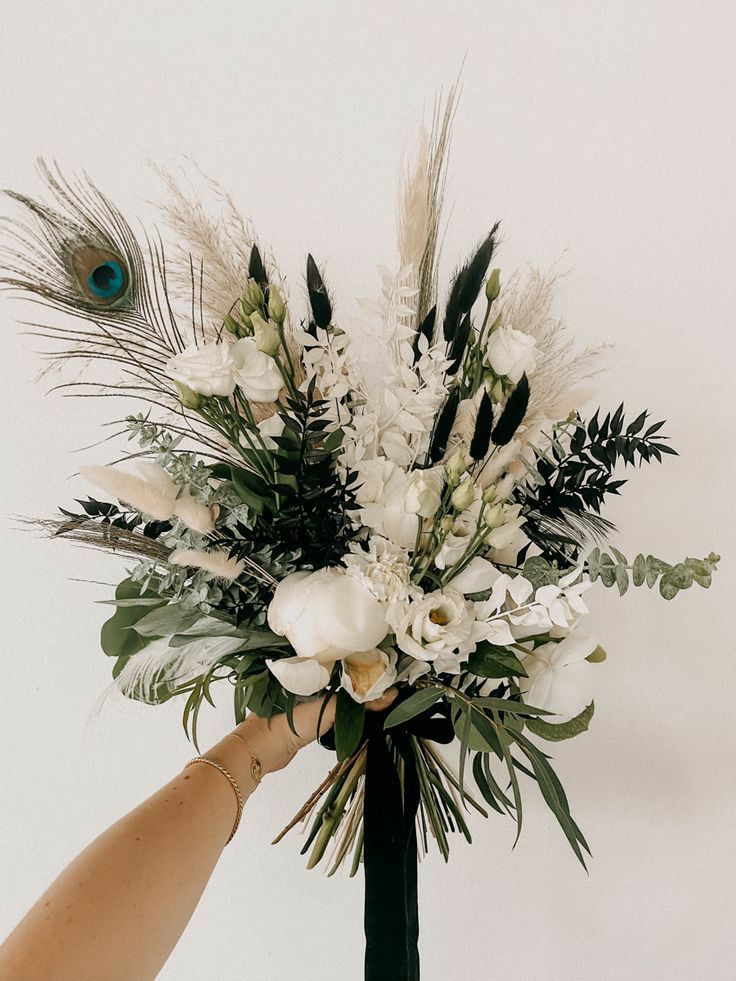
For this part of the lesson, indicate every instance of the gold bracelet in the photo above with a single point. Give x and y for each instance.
(233, 784)
(256, 770)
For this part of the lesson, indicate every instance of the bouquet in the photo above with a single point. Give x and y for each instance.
(320, 504)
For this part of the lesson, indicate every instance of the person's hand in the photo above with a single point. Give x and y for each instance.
(275, 745)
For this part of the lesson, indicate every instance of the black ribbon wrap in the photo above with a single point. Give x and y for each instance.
(390, 843)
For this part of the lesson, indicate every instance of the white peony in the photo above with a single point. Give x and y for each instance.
(381, 496)
(255, 373)
(368, 675)
(510, 353)
(302, 675)
(207, 369)
(440, 627)
(559, 679)
(326, 614)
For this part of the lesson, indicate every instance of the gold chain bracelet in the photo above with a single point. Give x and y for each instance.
(256, 770)
(233, 783)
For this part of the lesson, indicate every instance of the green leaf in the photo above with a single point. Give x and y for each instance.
(639, 570)
(414, 705)
(349, 721)
(554, 732)
(116, 637)
(540, 572)
(495, 662)
(668, 588)
(509, 705)
(481, 735)
(165, 620)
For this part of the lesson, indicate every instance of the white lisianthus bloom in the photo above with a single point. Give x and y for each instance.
(383, 568)
(477, 576)
(381, 496)
(559, 679)
(457, 541)
(255, 373)
(207, 369)
(439, 625)
(424, 494)
(326, 614)
(510, 353)
(366, 676)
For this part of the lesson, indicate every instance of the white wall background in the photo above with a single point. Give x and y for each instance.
(603, 132)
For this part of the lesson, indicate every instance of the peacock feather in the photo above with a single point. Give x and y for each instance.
(79, 256)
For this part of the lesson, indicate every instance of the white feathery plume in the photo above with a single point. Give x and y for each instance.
(218, 562)
(556, 385)
(160, 664)
(153, 492)
(221, 243)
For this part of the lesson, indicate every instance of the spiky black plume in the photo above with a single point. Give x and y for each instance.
(443, 427)
(459, 343)
(256, 269)
(483, 425)
(318, 297)
(475, 272)
(513, 413)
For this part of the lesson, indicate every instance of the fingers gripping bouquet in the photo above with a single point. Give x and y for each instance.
(320, 505)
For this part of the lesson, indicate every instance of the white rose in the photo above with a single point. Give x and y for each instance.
(207, 369)
(424, 493)
(440, 627)
(511, 353)
(366, 676)
(381, 497)
(326, 614)
(559, 678)
(256, 374)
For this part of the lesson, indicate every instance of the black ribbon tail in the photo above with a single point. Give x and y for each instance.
(390, 862)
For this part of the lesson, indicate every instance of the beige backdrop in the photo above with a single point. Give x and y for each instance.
(602, 136)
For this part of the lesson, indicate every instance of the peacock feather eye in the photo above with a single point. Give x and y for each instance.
(102, 275)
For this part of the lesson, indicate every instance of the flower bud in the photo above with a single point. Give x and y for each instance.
(463, 495)
(231, 325)
(246, 306)
(266, 335)
(276, 305)
(255, 294)
(455, 465)
(493, 285)
(489, 493)
(493, 516)
(188, 398)
(446, 523)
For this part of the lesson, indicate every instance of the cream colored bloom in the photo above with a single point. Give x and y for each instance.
(510, 353)
(559, 678)
(206, 369)
(256, 373)
(366, 676)
(441, 626)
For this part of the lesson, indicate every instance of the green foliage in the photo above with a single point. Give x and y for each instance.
(615, 570)
(563, 502)
(489, 661)
(349, 721)
(117, 639)
(554, 732)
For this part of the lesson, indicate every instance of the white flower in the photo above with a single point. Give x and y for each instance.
(383, 569)
(424, 494)
(269, 427)
(440, 626)
(458, 539)
(257, 375)
(477, 576)
(218, 562)
(152, 492)
(326, 614)
(559, 678)
(381, 496)
(302, 675)
(207, 369)
(368, 675)
(511, 353)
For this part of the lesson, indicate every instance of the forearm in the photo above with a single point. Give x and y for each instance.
(118, 910)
